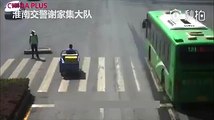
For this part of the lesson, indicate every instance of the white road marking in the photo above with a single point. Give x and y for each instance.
(183, 116)
(42, 105)
(85, 68)
(101, 113)
(135, 76)
(158, 86)
(166, 105)
(33, 71)
(19, 68)
(101, 75)
(120, 80)
(5, 66)
(82, 102)
(63, 85)
(172, 114)
(49, 75)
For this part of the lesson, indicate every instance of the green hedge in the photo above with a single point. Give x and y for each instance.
(13, 81)
(12, 92)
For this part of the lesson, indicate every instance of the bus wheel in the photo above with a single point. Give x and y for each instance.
(162, 79)
(149, 54)
(63, 74)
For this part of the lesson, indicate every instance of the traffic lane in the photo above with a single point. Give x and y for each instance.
(132, 40)
(148, 82)
(124, 45)
(125, 34)
(97, 41)
(120, 49)
(120, 44)
(155, 89)
(130, 52)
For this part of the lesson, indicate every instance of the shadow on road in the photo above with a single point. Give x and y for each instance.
(75, 75)
(39, 59)
(139, 42)
(200, 110)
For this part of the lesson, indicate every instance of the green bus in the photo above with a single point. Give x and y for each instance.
(181, 53)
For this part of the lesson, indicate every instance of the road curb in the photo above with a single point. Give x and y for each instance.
(24, 106)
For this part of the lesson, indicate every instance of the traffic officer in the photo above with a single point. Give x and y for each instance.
(33, 41)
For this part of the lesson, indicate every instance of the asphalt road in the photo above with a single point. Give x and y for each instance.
(116, 83)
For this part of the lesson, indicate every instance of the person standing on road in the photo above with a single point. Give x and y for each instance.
(33, 41)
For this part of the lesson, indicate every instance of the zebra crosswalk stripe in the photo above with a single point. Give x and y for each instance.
(49, 75)
(135, 76)
(5, 66)
(101, 83)
(19, 68)
(120, 80)
(101, 75)
(33, 71)
(85, 68)
(63, 85)
(101, 113)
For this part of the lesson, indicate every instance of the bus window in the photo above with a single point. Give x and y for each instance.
(153, 38)
(163, 47)
(148, 33)
(167, 52)
(156, 43)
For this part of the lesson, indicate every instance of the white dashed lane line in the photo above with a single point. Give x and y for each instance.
(101, 75)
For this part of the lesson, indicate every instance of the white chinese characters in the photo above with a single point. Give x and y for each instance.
(53, 14)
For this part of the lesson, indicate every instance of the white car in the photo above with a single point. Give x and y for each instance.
(9, 11)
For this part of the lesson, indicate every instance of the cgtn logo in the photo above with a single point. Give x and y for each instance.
(22, 5)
